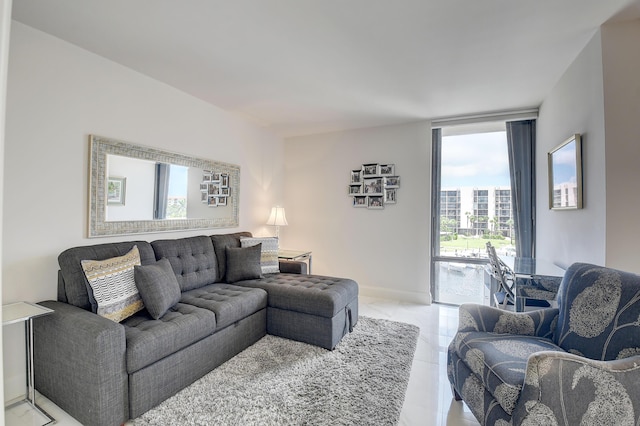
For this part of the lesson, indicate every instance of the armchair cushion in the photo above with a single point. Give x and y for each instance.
(540, 323)
(599, 312)
(500, 361)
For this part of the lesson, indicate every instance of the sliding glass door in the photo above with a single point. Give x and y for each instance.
(471, 206)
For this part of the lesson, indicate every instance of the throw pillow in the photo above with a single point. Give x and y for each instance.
(243, 263)
(113, 285)
(269, 255)
(158, 287)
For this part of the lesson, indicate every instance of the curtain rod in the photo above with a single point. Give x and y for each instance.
(525, 114)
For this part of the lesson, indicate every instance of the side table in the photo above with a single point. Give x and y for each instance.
(26, 312)
(295, 255)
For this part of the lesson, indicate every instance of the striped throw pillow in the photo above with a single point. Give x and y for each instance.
(113, 284)
(269, 254)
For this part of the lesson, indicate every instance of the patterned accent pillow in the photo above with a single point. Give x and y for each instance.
(269, 254)
(113, 285)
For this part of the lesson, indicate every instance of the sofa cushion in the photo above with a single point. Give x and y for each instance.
(72, 280)
(309, 294)
(500, 362)
(230, 303)
(598, 312)
(193, 260)
(158, 287)
(220, 243)
(150, 340)
(268, 255)
(243, 263)
(113, 285)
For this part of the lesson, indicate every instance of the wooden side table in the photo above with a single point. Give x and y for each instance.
(26, 312)
(295, 255)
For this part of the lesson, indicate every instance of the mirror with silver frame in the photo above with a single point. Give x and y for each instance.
(136, 189)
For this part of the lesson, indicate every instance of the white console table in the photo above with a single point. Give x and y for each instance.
(25, 312)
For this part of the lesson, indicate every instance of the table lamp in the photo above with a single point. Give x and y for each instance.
(277, 219)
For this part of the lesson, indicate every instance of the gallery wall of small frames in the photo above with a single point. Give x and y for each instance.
(374, 186)
(214, 189)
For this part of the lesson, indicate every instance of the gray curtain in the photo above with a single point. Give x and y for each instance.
(521, 140)
(162, 191)
(436, 153)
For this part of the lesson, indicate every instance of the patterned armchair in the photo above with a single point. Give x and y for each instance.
(575, 364)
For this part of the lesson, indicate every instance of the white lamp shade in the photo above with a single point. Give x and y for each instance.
(277, 217)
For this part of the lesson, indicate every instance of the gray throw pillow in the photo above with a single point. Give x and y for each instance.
(243, 263)
(158, 287)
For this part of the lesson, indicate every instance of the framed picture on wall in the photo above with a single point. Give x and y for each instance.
(375, 202)
(359, 201)
(356, 176)
(355, 189)
(390, 196)
(565, 175)
(373, 186)
(392, 182)
(387, 169)
(116, 190)
(370, 169)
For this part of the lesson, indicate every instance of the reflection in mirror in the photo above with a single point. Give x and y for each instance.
(137, 189)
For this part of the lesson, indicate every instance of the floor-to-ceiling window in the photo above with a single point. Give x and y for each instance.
(473, 207)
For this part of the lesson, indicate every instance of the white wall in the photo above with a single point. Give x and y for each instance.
(385, 251)
(575, 105)
(5, 26)
(621, 64)
(599, 97)
(58, 94)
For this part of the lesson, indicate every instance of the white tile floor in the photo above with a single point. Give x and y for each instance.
(428, 401)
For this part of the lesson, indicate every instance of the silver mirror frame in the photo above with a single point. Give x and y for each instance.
(100, 147)
(576, 165)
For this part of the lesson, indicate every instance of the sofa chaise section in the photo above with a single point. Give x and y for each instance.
(309, 308)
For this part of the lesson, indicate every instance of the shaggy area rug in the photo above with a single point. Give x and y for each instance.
(282, 382)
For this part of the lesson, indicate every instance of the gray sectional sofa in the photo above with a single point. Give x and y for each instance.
(104, 372)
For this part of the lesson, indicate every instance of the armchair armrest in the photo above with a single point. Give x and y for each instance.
(540, 323)
(293, 267)
(578, 390)
(80, 363)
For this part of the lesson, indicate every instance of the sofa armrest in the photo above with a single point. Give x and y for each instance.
(80, 364)
(293, 267)
(540, 323)
(576, 390)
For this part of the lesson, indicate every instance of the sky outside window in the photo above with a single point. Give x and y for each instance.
(475, 160)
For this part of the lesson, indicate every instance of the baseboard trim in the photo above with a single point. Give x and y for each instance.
(399, 295)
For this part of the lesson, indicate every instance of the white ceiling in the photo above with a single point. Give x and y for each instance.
(310, 66)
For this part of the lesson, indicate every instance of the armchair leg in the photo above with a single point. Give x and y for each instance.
(455, 394)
